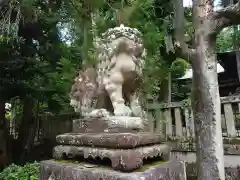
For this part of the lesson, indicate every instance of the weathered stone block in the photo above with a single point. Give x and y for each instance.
(52, 170)
(109, 140)
(112, 124)
(124, 160)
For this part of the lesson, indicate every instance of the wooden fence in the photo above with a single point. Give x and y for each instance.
(176, 119)
(51, 125)
(48, 126)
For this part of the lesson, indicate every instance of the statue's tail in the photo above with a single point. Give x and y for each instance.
(83, 91)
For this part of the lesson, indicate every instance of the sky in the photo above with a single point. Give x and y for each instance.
(189, 2)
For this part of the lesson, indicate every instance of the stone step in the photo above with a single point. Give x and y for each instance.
(51, 169)
(109, 140)
(123, 160)
(112, 124)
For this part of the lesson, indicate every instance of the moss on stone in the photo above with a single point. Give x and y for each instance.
(149, 165)
(68, 161)
(145, 167)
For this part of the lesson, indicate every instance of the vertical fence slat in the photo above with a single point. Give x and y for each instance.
(188, 123)
(223, 124)
(223, 121)
(168, 119)
(178, 121)
(150, 121)
(238, 107)
(230, 122)
(160, 122)
(191, 121)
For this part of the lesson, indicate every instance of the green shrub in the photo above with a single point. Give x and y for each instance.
(26, 172)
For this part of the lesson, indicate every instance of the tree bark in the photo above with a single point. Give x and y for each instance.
(207, 113)
(27, 127)
(205, 92)
(181, 47)
(87, 34)
(205, 97)
(3, 134)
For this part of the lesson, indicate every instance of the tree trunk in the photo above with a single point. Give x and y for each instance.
(205, 93)
(26, 129)
(236, 48)
(205, 98)
(238, 62)
(3, 135)
(87, 35)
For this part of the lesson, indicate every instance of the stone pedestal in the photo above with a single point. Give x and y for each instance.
(122, 140)
(112, 124)
(52, 170)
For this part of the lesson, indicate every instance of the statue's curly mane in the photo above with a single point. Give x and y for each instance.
(106, 48)
(89, 89)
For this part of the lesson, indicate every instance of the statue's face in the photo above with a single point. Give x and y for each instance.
(125, 45)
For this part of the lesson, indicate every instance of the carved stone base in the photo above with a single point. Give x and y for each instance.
(112, 124)
(52, 170)
(124, 160)
(109, 140)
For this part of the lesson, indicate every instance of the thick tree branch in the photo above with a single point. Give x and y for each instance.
(187, 53)
(227, 16)
(181, 46)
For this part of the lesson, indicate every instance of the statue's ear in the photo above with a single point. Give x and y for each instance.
(138, 50)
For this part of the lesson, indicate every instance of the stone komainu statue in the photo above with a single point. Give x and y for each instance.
(114, 86)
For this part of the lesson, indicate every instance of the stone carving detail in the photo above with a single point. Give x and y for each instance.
(117, 79)
(124, 160)
(109, 140)
(174, 170)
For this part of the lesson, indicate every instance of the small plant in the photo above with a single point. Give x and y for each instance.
(26, 172)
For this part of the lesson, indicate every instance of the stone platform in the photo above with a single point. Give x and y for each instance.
(52, 170)
(122, 140)
(112, 124)
(123, 160)
(109, 140)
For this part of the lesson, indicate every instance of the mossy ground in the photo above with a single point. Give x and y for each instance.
(103, 164)
(148, 165)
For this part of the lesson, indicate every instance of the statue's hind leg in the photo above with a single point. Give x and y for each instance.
(113, 85)
(135, 105)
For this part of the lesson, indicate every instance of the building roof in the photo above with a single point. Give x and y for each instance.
(226, 65)
(189, 73)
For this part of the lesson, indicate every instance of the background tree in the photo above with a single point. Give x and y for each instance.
(37, 67)
(207, 24)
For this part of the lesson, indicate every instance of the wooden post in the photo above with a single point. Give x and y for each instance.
(230, 122)
(150, 121)
(160, 124)
(168, 119)
(178, 121)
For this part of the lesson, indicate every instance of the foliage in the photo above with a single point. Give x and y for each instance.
(33, 68)
(41, 67)
(155, 25)
(179, 67)
(8, 115)
(15, 172)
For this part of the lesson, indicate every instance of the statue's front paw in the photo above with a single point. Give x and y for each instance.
(97, 113)
(122, 110)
